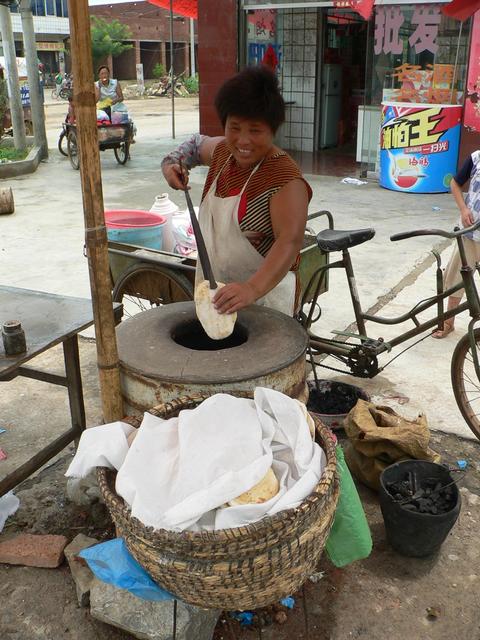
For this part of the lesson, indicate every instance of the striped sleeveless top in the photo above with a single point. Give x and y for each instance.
(254, 210)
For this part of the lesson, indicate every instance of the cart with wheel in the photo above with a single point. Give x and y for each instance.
(113, 136)
(143, 278)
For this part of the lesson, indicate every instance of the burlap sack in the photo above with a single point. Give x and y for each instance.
(379, 437)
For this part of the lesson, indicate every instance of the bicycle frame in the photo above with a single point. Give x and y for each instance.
(371, 348)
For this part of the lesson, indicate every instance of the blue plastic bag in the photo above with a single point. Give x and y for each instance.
(111, 562)
(350, 537)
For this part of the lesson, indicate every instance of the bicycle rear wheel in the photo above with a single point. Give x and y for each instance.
(145, 286)
(62, 143)
(465, 383)
(72, 149)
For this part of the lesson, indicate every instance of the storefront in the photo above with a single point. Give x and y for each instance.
(52, 56)
(337, 69)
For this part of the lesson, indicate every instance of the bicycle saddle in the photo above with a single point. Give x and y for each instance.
(336, 240)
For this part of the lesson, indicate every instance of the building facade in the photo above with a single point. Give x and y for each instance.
(150, 28)
(343, 77)
(52, 29)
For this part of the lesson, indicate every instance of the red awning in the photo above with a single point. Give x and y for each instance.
(188, 8)
(362, 7)
(461, 9)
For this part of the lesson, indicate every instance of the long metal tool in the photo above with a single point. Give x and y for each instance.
(201, 248)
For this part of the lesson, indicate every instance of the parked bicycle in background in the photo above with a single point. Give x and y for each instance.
(358, 353)
(63, 86)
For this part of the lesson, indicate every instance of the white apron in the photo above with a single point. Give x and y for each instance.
(232, 256)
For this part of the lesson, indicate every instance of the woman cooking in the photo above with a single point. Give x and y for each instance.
(254, 205)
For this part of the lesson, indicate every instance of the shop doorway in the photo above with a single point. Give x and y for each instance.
(341, 70)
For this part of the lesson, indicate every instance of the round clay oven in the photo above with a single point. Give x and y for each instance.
(165, 353)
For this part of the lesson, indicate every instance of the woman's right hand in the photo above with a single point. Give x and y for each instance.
(175, 177)
(467, 217)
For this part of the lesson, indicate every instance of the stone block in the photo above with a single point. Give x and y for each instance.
(84, 491)
(81, 573)
(33, 550)
(150, 620)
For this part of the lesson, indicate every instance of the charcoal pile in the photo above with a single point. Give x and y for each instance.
(333, 398)
(431, 497)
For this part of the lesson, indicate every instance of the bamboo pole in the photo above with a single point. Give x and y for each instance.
(95, 230)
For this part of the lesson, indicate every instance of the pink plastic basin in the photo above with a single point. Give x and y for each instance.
(140, 228)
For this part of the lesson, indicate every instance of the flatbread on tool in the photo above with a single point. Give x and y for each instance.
(267, 488)
(217, 325)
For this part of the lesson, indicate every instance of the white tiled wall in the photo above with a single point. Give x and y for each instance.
(43, 24)
(298, 77)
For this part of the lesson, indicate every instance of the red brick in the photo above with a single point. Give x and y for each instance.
(33, 550)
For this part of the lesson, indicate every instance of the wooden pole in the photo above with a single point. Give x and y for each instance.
(95, 230)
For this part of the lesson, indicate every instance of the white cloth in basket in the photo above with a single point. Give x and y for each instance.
(179, 473)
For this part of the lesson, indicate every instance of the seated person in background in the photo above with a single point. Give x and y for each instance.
(108, 93)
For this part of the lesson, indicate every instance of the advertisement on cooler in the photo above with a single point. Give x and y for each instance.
(419, 146)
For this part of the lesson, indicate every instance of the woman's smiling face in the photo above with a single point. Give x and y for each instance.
(104, 76)
(248, 140)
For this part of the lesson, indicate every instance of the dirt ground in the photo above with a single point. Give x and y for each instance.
(385, 596)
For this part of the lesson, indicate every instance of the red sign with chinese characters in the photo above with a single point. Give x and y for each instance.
(390, 19)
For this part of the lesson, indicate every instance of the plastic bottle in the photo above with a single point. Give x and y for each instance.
(166, 208)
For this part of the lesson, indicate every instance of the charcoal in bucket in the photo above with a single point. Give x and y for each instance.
(332, 400)
(420, 503)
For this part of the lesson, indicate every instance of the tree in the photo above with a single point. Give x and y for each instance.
(108, 38)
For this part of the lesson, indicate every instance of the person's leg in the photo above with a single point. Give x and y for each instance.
(452, 277)
(448, 325)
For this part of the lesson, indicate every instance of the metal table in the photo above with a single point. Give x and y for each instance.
(47, 320)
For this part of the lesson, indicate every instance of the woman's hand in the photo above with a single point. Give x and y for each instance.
(234, 296)
(466, 216)
(175, 177)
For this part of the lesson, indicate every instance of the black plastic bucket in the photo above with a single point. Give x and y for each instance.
(412, 533)
(332, 400)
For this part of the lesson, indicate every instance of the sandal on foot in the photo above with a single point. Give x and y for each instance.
(448, 327)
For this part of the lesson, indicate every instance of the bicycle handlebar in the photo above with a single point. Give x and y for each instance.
(317, 214)
(435, 232)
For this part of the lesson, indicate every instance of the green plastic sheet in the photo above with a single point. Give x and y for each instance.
(350, 538)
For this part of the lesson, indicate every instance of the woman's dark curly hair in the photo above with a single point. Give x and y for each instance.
(254, 94)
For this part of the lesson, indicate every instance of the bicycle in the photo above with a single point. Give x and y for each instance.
(361, 357)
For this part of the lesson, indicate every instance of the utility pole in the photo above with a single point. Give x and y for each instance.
(172, 74)
(192, 47)
(16, 109)
(36, 99)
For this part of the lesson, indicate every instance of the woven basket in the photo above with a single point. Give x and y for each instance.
(232, 569)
